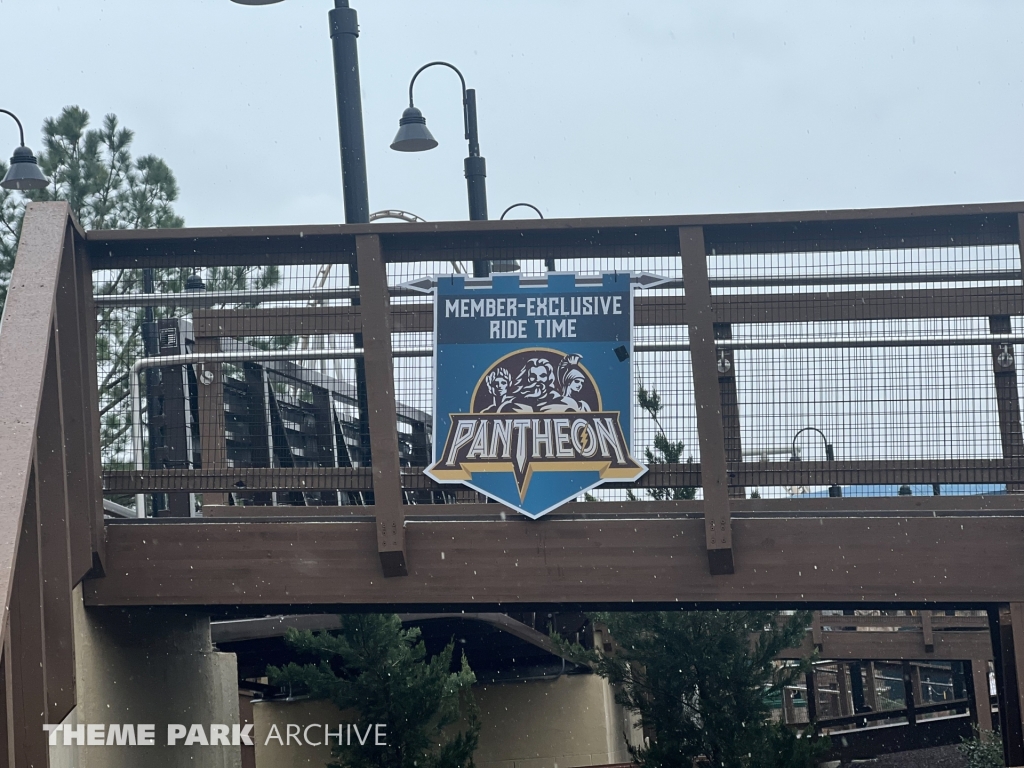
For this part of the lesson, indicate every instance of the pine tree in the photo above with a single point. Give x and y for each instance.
(378, 669)
(94, 171)
(664, 450)
(700, 686)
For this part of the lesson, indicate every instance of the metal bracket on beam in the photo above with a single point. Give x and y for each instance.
(704, 361)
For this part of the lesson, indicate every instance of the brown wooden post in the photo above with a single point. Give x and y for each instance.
(1004, 371)
(246, 717)
(812, 697)
(908, 693)
(7, 694)
(82, 474)
(816, 638)
(87, 329)
(788, 712)
(55, 545)
(726, 364)
(703, 360)
(1005, 652)
(871, 692)
(979, 695)
(926, 631)
(212, 440)
(28, 641)
(380, 399)
(842, 684)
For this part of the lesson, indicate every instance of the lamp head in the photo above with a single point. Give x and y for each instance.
(413, 135)
(256, 2)
(24, 173)
(194, 282)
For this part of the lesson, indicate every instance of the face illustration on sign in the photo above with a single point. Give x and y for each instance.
(533, 388)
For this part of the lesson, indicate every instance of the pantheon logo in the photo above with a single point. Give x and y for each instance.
(536, 410)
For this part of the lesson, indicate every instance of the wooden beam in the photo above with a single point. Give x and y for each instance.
(926, 631)
(757, 474)
(380, 400)
(1004, 372)
(28, 643)
(703, 359)
(893, 646)
(1005, 645)
(6, 706)
(305, 321)
(212, 440)
(981, 697)
(75, 401)
(797, 560)
(55, 544)
(27, 319)
(87, 330)
(730, 406)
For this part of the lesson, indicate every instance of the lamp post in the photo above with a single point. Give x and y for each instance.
(833, 490)
(24, 173)
(413, 136)
(344, 26)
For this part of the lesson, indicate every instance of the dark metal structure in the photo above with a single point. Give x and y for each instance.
(893, 331)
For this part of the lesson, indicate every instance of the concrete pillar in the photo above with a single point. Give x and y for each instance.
(149, 665)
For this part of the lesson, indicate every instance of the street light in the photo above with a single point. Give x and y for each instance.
(413, 136)
(344, 31)
(833, 490)
(24, 173)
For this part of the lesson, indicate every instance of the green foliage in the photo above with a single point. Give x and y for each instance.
(983, 750)
(380, 670)
(94, 171)
(107, 188)
(664, 451)
(700, 686)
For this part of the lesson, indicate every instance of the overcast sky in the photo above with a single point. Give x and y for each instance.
(586, 108)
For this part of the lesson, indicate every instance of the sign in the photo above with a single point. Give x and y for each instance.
(533, 386)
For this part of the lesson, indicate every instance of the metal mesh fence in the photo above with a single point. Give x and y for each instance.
(249, 389)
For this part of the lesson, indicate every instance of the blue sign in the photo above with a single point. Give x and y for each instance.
(533, 387)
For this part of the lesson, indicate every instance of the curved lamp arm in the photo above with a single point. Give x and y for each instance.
(21, 130)
(465, 104)
(523, 205)
(829, 453)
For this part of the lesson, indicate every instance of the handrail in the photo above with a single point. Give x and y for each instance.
(28, 316)
(50, 496)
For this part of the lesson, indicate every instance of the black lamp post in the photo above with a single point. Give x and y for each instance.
(413, 136)
(833, 490)
(344, 32)
(24, 173)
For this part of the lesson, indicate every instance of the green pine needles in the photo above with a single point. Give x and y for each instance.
(378, 669)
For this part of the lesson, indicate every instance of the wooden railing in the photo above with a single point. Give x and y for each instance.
(51, 510)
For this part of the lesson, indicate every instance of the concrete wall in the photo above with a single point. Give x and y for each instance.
(562, 723)
(153, 665)
(568, 722)
(275, 755)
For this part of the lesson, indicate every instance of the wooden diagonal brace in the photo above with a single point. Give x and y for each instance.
(375, 311)
(703, 359)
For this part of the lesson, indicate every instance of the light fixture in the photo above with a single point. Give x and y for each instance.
(413, 134)
(24, 173)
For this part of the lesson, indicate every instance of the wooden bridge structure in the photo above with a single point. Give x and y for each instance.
(274, 464)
